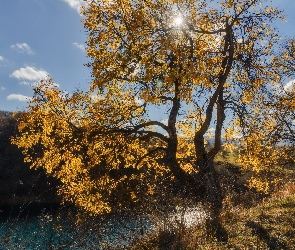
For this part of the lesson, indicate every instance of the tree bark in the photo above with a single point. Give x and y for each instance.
(209, 183)
(213, 201)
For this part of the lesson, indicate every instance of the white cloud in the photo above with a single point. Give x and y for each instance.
(139, 101)
(25, 83)
(18, 97)
(75, 4)
(239, 40)
(289, 86)
(2, 88)
(29, 73)
(1, 58)
(165, 122)
(80, 46)
(22, 48)
(36, 83)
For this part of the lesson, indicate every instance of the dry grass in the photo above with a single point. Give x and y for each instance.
(268, 225)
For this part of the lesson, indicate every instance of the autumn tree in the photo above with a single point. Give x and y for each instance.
(207, 65)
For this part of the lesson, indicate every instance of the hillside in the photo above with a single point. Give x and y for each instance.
(19, 185)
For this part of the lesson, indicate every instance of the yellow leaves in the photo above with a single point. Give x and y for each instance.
(27, 159)
(150, 190)
(133, 195)
(21, 126)
(229, 147)
(93, 204)
(259, 185)
(287, 57)
(227, 85)
(260, 152)
(230, 3)
(247, 98)
(147, 45)
(187, 167)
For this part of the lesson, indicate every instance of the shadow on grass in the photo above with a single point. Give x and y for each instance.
(272, 242)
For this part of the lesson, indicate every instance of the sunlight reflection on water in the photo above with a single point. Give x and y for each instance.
(189, 217)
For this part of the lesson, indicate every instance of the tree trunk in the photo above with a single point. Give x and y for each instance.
(212, 200)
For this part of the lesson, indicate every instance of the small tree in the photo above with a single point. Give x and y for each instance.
(214, 61)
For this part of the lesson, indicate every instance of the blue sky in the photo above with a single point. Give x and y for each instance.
(46, 37)
(39, 38)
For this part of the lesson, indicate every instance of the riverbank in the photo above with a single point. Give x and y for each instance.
(269, 224)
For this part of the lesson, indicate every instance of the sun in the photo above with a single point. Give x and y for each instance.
(178, 20)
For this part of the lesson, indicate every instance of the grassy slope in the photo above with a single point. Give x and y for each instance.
(269, 225)
(251, 222)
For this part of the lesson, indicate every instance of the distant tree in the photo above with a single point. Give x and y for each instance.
(214, 62)
(18, 184)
